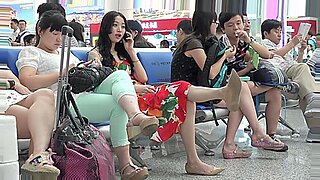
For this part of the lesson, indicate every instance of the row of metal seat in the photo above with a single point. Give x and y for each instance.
(157, 63)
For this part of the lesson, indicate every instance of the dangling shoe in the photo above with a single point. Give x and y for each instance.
(40, 166)
(147, 126)
(232, 91)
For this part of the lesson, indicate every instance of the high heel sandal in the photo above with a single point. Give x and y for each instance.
(40, 166)
(147, 127)
(138, 173)
(213, 172)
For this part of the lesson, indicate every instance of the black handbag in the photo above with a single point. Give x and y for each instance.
(83, 78)
(71, 129)
(79, 145)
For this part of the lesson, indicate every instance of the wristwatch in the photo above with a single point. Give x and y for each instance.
(251, 40)
(12, 83)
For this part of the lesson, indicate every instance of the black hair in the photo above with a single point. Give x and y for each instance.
(15, 21)
(318, 34)
(185, 25)
(104, 42)
(226, 16)
(139, 40)
(135, 26)
(22, 20)
(201, 22)
(268, 25)
(50, 6)
(310, 33)
(52, 19)
(164, 43)
(44, 7)
(28, 38)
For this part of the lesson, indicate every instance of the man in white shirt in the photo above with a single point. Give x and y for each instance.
(297, 71)
(21, 35)
(14, 25)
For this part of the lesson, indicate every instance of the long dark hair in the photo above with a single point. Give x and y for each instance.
(201, 23)
(104, 43)
(52, 19)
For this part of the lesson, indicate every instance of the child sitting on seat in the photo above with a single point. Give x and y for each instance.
(309, 96)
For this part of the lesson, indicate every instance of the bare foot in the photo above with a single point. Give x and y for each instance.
(202, 169)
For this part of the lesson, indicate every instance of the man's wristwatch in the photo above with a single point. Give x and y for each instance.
(251, 40)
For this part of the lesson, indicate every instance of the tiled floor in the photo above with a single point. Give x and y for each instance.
(168, 163)
(315, 162)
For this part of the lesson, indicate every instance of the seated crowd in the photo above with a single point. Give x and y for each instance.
(123, 98)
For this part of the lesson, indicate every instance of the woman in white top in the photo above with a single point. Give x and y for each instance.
(114, 99)
(34, 114)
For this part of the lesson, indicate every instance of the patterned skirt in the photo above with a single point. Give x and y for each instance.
(8, 98)
(169, 105)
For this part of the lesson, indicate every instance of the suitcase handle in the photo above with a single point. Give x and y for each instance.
(63, 76)
(67, 30)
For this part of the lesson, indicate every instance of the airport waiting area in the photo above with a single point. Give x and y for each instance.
(222, 99)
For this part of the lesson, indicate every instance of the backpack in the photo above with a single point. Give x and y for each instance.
(214, 50)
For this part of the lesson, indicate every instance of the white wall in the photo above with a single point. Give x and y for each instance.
(123, 6)
(296, 8)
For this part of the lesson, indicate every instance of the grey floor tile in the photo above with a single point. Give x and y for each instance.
(168, 163)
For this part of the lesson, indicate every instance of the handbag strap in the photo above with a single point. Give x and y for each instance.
(82, 62)
(69, 98)
(65, 106)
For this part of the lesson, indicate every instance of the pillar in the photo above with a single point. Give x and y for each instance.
(205, 5)
(238, 6)
(312, 10)
(123, 6)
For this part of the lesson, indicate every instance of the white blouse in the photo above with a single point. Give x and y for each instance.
(42, 61)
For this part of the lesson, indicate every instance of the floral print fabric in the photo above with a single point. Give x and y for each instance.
(168, 104)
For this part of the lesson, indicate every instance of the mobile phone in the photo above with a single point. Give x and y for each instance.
(125, 36)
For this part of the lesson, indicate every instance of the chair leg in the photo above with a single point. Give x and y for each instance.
(208, 145)
(286, 124)
(134, 153)
(313, 135)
